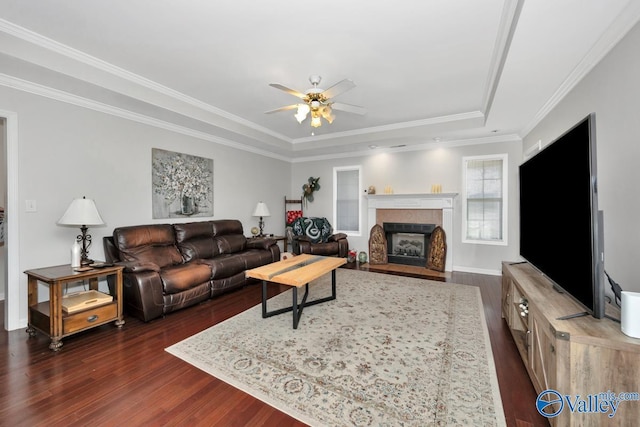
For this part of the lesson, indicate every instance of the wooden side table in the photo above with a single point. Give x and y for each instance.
(49, 317)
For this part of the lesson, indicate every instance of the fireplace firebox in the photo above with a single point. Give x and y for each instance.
(407, 243)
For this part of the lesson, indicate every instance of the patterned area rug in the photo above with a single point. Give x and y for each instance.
(389, 351)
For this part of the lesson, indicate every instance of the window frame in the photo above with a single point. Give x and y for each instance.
(505, 205)
(336, 170)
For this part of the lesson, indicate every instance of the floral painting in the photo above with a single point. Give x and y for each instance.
(182, 185)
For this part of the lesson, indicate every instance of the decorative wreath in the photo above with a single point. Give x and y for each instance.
(309, 188)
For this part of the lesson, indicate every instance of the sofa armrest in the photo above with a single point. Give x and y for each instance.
(260, 243)
(302, 246)
(343, 248)
(138, 267)
(336, 237)
(143, 294)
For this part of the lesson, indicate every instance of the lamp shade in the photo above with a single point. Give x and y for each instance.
(81, 212)
(261, 210)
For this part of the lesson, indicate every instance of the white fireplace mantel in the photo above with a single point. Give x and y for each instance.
(443, 201)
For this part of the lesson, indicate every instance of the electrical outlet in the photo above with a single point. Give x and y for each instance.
(30, 206)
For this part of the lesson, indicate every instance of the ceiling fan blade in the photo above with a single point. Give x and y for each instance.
(349, 108)
(338, 88)
(277, 110)
(286, 89)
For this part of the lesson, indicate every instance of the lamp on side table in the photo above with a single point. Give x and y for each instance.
(261, 210)
(82, 212)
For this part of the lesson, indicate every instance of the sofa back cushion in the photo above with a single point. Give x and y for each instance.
(231, 243)
(223, 227)
(229, 236)
(195, 240)
(147, 243)
(207, 239)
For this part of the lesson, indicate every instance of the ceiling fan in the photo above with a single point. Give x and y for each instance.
(318, 101)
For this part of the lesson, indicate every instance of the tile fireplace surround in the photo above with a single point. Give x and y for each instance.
(440, 203)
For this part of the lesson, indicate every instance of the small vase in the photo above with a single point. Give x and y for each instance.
(187, 205)
(75, 254)
(362, 257)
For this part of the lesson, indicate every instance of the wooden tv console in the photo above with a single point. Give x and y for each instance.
(579, 357)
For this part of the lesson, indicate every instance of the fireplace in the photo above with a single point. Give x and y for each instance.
(407, 243)
(415, 208)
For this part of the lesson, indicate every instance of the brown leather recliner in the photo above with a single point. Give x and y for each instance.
(315, 236)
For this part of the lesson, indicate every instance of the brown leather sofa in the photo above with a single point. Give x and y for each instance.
(172, 266)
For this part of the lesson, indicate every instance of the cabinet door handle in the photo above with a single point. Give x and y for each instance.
(92, 318)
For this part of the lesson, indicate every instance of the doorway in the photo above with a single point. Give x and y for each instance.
(11, 257)
(3, 204)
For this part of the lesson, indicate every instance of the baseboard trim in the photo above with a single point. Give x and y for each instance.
(477, 270)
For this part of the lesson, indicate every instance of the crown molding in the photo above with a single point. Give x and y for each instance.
(625, 21)
(417, 147)
(113, 70)
(506, 30)
(58, 95)
(432, 121)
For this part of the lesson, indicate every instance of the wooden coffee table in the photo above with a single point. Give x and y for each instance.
(296, 272)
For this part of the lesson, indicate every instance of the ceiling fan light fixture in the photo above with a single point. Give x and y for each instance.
(318, 101)
(303, 110)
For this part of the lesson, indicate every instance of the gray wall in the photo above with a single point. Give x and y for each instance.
(411, 172)
(67, 151)
(612, 91)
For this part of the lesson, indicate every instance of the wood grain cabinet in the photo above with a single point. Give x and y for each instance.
(584, 359)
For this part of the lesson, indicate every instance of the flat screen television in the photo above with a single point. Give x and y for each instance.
(560, 224)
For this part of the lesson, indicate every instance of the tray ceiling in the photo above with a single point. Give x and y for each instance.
(428, 72)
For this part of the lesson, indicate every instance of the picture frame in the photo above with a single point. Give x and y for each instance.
(182, 185)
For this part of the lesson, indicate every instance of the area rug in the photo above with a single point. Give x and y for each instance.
(389, 351)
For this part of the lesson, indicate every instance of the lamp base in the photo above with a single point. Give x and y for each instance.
(85, 240)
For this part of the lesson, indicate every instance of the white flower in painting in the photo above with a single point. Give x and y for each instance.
(180, 175)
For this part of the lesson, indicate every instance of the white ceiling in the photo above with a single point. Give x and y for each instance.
(454, 71)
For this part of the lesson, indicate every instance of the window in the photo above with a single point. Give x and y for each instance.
(484, 209)
(346, 200)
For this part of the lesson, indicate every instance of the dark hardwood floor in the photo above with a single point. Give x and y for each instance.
(111, 377)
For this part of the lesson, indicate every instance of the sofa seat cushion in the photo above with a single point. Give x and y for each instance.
(225, 265)
(226, 284)
(183, 277)
(255, 258)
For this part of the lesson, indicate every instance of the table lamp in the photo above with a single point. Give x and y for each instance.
(261, 210)
(82, 212)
